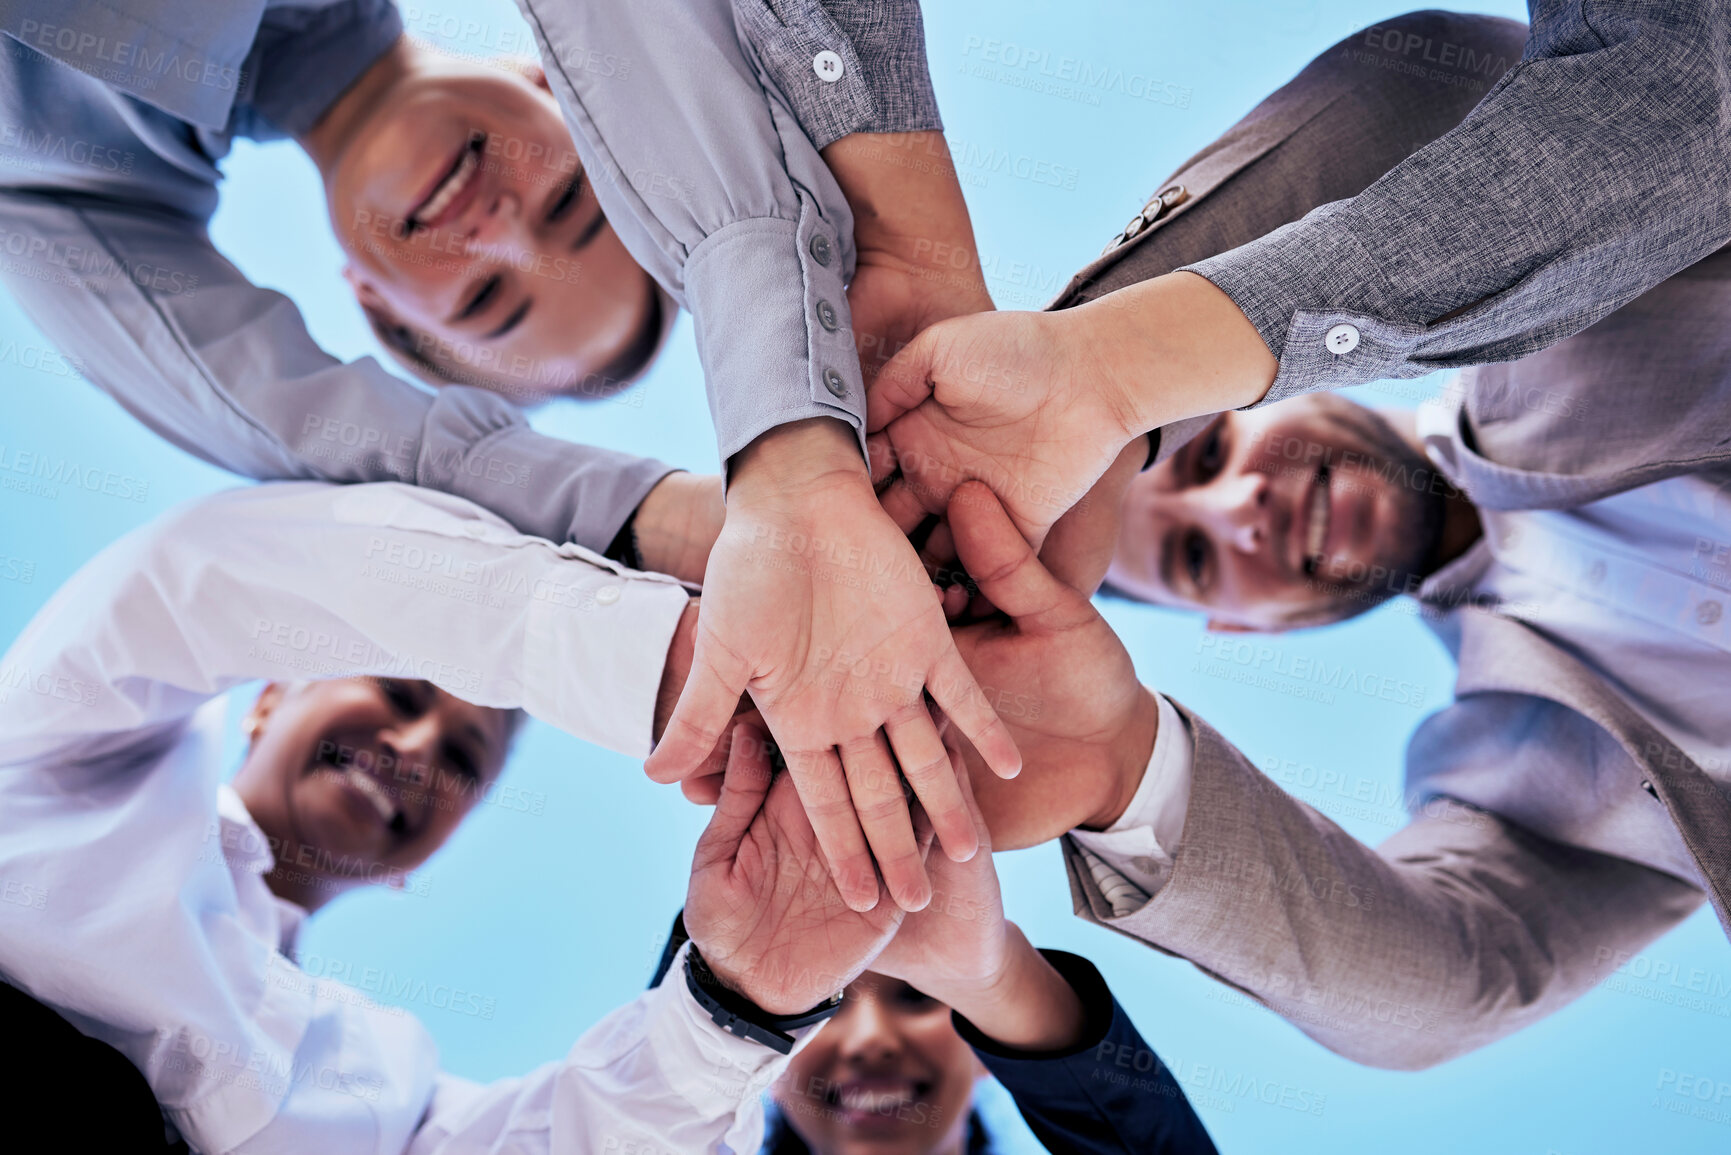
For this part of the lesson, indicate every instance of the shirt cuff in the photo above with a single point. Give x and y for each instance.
(586, 678)
(1313, 292)
(715, 1072)
(1139, 847)
(769, 303)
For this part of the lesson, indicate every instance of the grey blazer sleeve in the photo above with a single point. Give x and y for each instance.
(1596, 168)
(1460, 929)
(227, 371)
(882, 83)
(705, 174)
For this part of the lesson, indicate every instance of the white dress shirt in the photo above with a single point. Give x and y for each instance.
(135, 899)
(1636, 585)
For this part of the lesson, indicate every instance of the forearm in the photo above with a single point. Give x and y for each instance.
(879, 81)
(1524, 224)
(1105, 1091)
(676, 524)
(1028, 1006)
(304, 580)
(1457, 931)
(227, 371)
(743, 224)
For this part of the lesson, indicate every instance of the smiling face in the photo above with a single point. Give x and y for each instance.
(1295, 514)
(886, 1075)
(358, 780)
(476, 243)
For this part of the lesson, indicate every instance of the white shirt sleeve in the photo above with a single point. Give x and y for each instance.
(655, 1077)
(1132, 858)
(307, 580)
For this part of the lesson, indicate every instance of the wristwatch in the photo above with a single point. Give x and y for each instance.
(738, 1015)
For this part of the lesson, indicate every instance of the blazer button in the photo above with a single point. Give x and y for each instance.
(820, 250)
(1134, 227)
(834, 383)
(1174, 195)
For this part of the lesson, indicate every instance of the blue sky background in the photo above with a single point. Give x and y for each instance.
(548, 909)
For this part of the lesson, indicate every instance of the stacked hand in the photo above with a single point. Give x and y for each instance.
(962, 951)
(1039, 405)
(761, 905)
(1063, 683)
(815, 604)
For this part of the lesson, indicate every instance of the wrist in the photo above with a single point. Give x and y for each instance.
(676, 524)
(1130, 752)
(1176, 347)
(675, 670)
(791, 458)
(1027, 1005)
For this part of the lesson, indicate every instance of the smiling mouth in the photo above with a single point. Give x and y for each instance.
(389, 811)
(1317, 510)
(437, 205)
(881, 1100)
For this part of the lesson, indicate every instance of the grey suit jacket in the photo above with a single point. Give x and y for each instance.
(1505, 896)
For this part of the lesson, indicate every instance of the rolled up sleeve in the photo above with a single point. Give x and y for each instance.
(1595, 169)
(705, 174)
(877, 81)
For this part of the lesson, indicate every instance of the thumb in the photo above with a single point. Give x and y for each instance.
(743, 791)
(905, 380)
(1004, 565)
(706, 706)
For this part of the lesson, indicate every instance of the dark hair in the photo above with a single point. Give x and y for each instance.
(779, 1137)
(411, 349)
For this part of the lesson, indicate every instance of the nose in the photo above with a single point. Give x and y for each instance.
(868, 1031)
(1235, 509)
(411, 745)
(501, 230)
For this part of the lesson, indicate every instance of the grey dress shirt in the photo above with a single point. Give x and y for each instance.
(1597, 167)
(112, 129)
(704, 154)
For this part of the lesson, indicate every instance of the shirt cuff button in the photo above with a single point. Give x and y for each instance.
(827, 65)
(1342, 339)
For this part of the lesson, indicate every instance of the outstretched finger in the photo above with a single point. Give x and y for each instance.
(926, 765)
(882, 806)
(743, 790)
(828, 802)
(706, 706)
(953, 687)
(1005, 566)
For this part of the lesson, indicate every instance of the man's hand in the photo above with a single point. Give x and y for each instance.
(762, 906)
(962, 951)
(1062, 681)
(1039, 405)
(817, 604)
